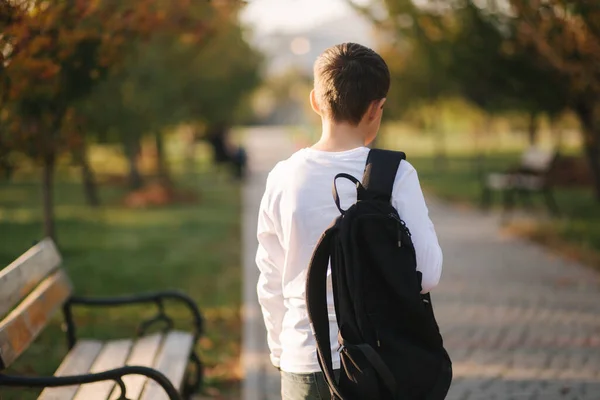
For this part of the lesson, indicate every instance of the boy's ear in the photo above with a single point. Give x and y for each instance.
(314, 103)
(376, 108)
(382, 102)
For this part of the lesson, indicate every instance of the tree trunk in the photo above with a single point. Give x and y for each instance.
(481, 131)
(557, 133)
(592, 151)
(131, 144)
(190, 151)
(7, 169)
(592, 143)
(90, 188)
(436, 130)
(533, 129)
(48, 196)
(440, 153)
(162, 169)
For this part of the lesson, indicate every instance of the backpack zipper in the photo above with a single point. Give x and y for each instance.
(402, 229)
(400, 226)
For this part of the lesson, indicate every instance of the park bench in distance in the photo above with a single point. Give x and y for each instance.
(533, 175)
(149, 366)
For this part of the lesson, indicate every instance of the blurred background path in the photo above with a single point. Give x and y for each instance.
(519, 323)
(266, 146)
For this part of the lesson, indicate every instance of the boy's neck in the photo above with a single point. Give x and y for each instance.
(340, 137)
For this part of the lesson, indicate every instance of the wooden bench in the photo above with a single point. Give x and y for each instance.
(148, 366)
(532, 175)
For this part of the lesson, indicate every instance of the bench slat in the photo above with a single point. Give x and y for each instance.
(143, 354)
(498, 181)
(171, 361)
(24, 323)
(78, 361)
(26, 272)
(112, 355)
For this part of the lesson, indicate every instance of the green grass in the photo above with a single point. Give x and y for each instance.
(115, 250)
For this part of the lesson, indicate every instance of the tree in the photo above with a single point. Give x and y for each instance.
(462, 49)
(47, 56)
(456, 48)
(230, 71)
(565, 36)
(168, 81)
(496, 75)
(52, 54)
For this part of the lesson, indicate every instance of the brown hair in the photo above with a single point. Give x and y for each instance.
(348, 78)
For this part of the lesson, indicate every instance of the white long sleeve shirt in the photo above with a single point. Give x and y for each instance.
(295, 210)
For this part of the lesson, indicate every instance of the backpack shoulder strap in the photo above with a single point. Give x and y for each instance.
(380, 174)
(316, 303)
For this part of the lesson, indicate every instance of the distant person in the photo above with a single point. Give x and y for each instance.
(224, 152)
(351, 83)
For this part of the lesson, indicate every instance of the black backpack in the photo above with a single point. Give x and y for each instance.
(390, 343)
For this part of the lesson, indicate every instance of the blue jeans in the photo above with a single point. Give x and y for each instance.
(305, 386)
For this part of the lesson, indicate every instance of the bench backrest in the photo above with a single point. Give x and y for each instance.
(32, 289)
(537, 159)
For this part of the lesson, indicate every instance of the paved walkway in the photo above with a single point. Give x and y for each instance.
(266, 146)
(518, 322)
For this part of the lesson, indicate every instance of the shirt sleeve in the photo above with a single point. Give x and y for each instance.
(408, 199)
(269, 259)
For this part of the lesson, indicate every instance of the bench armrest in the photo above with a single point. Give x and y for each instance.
(157, 298)
(114, 374)
(528, 171)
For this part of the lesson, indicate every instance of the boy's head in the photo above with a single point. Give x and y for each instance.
(351, 84)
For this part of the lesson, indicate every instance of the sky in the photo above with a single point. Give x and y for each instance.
(267, 16)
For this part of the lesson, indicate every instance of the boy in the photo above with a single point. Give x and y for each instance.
(351, 83)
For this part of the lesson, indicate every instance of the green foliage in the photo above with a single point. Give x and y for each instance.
(146, 64)
(168, 81)
(222, 75)
(460, 49)
(419, 57)
(497, 74)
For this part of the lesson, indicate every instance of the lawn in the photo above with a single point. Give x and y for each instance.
(116, 250)
(576, 233)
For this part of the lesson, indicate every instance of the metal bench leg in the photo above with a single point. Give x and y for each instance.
(509, 202)
(194, 378)
(551, 202)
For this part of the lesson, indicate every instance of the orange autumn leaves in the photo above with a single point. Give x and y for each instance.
(47, 35)
(53, 52)
(566, 35)
(37, 44)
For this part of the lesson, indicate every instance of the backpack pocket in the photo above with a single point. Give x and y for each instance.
(360, 377)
